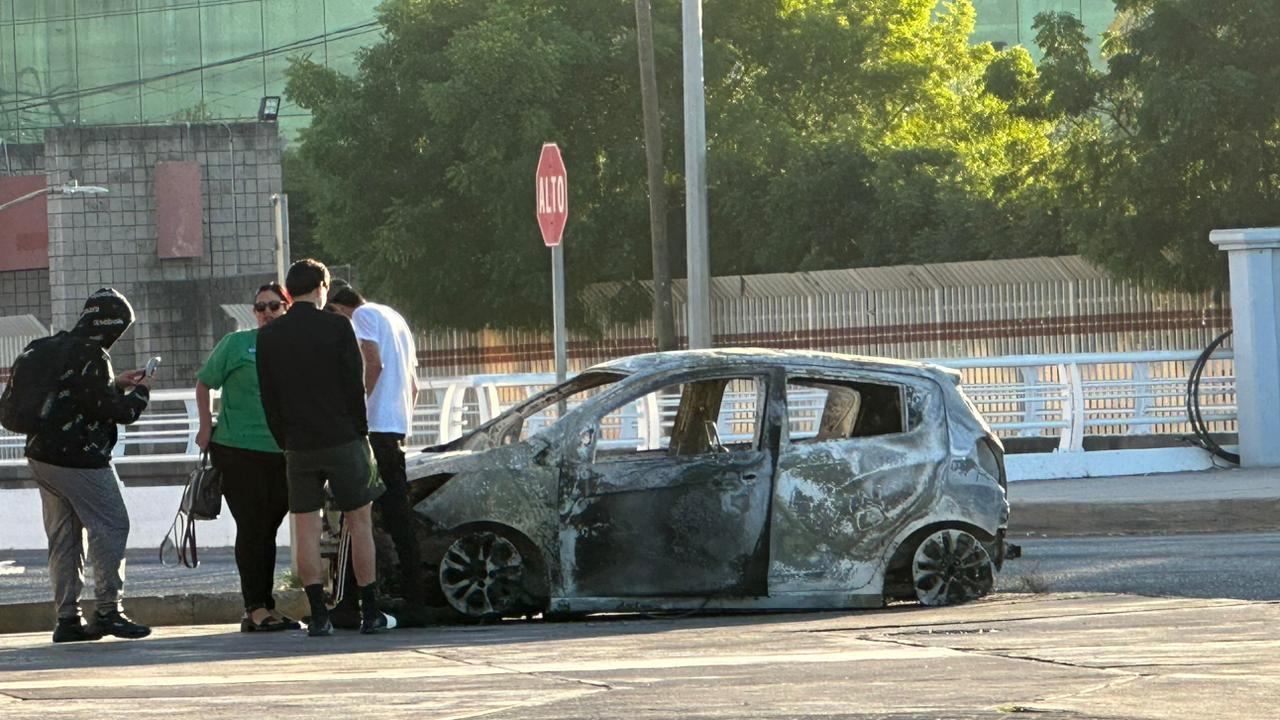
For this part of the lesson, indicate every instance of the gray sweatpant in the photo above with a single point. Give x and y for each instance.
(76, 500)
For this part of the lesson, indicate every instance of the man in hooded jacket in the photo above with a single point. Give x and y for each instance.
(71, 462)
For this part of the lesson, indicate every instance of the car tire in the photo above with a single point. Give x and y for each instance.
(486, 574)
(951, 566)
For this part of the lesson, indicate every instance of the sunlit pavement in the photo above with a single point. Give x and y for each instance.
(1067, 656)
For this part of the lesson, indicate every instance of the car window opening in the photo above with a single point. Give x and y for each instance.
(704, 417)
(821, 410)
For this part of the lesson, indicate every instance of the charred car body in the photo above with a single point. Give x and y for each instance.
(752, 479)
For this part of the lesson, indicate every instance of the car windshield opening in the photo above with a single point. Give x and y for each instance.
(544, 409)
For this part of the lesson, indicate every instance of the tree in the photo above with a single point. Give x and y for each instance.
(840, 133)
(882, 147)
(1177, 136)
(429, 153)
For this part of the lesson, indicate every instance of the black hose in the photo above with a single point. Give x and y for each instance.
(1194, 416)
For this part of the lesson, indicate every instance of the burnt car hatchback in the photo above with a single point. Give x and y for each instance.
(719, 479)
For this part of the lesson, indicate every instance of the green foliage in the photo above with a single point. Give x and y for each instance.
(1178, 137)
(840, 133)
(302, 181)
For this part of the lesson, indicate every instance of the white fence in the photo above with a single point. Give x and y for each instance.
(1062, 399)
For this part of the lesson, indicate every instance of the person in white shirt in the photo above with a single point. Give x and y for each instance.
(391, 390)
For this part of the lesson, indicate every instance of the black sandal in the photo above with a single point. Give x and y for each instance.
(269, 624)
(288, 621)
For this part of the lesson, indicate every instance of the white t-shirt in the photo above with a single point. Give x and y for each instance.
(391, 403)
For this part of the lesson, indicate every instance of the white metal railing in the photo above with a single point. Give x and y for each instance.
(1065, 398)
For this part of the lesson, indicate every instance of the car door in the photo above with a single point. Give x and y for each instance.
(673, 508)
(862, 457)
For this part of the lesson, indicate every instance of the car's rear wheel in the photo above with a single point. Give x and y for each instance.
(950, 567)
(485, 575)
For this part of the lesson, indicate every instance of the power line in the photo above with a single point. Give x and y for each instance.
(342, 34)
(82, 110)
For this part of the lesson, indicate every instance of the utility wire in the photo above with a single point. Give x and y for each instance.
(342, 34)
(208, 94)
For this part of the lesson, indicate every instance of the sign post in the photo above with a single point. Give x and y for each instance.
(552, 195)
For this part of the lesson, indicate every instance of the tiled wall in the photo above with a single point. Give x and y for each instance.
(110, 240)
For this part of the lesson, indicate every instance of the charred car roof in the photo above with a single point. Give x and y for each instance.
(687, 359)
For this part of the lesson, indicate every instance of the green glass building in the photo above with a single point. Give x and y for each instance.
(129, 62)
(1009, 21)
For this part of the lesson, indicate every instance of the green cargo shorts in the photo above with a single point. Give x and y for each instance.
(349, 470)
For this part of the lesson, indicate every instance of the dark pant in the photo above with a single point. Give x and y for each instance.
(254, 485)
(395, 516)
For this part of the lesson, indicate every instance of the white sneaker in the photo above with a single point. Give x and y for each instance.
(381, 624)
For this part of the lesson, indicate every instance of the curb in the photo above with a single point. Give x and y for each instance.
(187, 609)
(1065, 519)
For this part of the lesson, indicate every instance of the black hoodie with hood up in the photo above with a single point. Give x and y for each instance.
(82, 421)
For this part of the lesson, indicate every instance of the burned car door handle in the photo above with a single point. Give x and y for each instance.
(731, 482)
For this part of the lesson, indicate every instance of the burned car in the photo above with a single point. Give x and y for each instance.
(719, 479)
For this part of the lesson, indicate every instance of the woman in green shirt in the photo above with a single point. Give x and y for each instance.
(252, 465)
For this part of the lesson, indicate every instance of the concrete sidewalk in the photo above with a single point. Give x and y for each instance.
(1235, 500)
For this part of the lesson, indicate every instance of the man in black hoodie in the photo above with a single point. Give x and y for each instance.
(71, 462)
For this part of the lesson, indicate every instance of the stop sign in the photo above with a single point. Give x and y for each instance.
(552, 194)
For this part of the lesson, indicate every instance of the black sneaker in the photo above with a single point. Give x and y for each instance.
(345, 616)
(116, 623)
(319, 626)
(74, 630)
(379, 623)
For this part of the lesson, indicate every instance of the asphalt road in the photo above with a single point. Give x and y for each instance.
(1239, 566)
(144, 575)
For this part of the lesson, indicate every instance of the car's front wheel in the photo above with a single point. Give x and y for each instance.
(484, 575)
(950, 567)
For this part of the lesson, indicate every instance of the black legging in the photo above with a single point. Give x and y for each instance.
(257, 494)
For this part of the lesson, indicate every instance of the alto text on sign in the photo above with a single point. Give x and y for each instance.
(552, 194)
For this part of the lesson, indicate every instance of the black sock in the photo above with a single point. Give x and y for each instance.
(315, 593)
(369, 600)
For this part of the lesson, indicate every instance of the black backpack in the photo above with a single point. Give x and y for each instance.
(33, 384)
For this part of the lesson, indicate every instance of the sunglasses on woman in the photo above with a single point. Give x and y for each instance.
(273, 306)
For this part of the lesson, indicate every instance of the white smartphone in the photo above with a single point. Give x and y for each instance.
(152, 364)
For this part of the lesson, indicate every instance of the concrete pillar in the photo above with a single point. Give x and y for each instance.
(1254, 258)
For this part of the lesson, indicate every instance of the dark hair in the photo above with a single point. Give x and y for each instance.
(279, 291)
(305, 276)
(346, 296)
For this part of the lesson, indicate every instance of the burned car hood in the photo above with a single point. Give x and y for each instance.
(428, 462)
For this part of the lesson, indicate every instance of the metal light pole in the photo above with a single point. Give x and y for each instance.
(72, 188)
(695, 180)
(280, 205)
